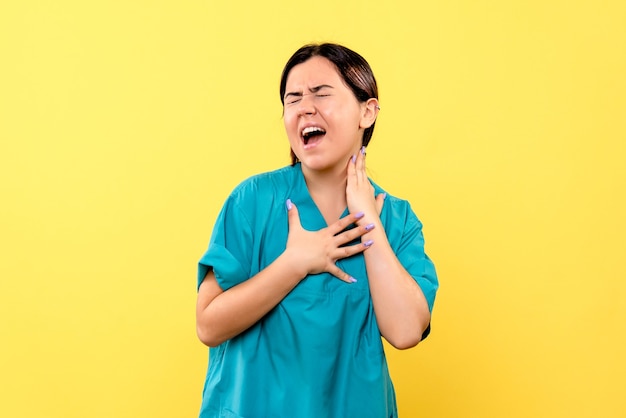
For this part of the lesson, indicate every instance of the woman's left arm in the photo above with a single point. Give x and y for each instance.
(400, 306)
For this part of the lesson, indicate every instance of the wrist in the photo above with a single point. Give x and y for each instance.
(291, 264)
(369, 218)
(375, 230)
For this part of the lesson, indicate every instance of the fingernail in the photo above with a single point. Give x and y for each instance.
(368, 243)
(369, 227)
(363, 150)
(354, 158)
(289, 204)
(352, 279)
(384, 196)
(359, 215)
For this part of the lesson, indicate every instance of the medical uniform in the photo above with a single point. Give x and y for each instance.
(318, 353)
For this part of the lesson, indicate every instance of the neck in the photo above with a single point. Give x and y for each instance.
(328, 191)
(331, 182)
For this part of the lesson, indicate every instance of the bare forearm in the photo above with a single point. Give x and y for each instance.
(235, 310)
(400, 306)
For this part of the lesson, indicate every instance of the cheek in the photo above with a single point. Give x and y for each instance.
(291, 127)
(287, 121)
(341, 120)
(290, 117)
(338, 112)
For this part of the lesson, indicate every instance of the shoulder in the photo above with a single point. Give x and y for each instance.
(267, 181)
(396, 209)
(263, 187)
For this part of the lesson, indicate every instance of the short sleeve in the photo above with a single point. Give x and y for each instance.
(412, 256)
(229, 252)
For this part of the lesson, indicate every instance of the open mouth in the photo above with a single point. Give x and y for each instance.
(312, 134)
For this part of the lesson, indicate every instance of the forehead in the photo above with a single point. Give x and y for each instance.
(314, 72)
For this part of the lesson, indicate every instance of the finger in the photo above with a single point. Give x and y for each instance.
(343, 223)
(360, 165)
(354, 233)
(340, 274)
(293, 217)
(380, 201)
(351, 169)
(350, 250)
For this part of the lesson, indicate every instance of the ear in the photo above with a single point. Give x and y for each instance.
(370, 113)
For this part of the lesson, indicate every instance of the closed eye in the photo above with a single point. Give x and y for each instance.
(319, 91)
(291, 98)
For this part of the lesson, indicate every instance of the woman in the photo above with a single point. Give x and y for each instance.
(309, 265)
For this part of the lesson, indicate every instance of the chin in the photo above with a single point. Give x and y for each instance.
(316, 163)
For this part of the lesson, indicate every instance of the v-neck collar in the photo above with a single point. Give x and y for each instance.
(311, 217)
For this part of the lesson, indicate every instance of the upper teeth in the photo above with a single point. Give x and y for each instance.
(311, 129)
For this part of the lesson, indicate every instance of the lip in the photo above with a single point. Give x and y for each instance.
(312, 144)
(309, 125)
(315, 141)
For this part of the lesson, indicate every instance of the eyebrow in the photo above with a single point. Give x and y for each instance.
(312, 90)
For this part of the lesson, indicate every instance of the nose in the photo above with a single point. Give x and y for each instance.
(306, 106)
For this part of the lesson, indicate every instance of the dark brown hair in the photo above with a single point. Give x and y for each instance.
(352, 68)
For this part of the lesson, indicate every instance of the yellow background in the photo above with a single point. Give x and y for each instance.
(125, 124)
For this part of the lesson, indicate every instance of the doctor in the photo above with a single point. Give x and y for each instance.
(309, 265)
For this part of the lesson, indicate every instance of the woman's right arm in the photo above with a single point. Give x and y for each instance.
(222, 315)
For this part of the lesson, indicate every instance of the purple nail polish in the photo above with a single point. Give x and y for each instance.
(352, 279)
(359, 215)
(363, 150)
(384, 196)
(289, 204)
(354, 158)
(368, 243)
(369, 227)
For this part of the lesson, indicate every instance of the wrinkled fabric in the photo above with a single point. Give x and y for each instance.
(319, 352)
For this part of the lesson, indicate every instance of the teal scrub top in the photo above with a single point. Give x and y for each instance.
(319, 352)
